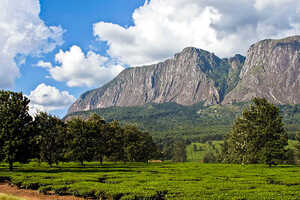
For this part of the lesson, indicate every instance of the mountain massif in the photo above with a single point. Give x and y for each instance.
(271, 69)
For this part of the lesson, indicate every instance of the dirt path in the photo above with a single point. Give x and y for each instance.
(31, 194)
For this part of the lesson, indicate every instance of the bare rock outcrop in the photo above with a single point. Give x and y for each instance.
(271, 70)
(192, 76)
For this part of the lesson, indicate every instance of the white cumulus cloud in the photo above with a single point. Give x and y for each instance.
(48, 98)
(43, 64)
(22, 32)
(77, 69)
(164, 27)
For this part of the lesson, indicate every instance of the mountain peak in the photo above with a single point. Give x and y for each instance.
(292, 40)
(190, 51)
(271, 70)
(187, 79)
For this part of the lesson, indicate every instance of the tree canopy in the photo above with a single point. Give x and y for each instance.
(179, 152)
(49, 137)
(15, 127)
(298, 145)
(257, 136)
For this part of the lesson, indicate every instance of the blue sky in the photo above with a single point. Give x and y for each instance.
(54, 50)
(77, 19)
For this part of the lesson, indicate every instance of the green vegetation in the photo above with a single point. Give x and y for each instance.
(197, 151)
(179, 154)
(47, 138)
(297, 147)
(9, 197)
(15, 127)
(195, 123)
(172, 180)
(225, 76)
(173, 120)
(257, 136)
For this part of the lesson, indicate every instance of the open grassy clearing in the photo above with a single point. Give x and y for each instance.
(196, 151)
(152, 181)
(214, 147)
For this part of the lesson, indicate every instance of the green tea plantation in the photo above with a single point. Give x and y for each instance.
(160, 180)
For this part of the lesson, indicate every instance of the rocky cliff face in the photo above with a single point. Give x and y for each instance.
(271, 70)
(192, 76)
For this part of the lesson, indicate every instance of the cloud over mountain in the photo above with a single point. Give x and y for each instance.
(77, 69)
(162, 28)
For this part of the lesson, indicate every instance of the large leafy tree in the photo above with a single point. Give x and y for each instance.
(115, 142)
(49, 137)
(179, 154)
(15, 127)
(138, 145)
(257, 136)
(79, 145)
(98, 134)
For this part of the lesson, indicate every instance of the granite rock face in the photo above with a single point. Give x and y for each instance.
(192, 76)
(271, 70)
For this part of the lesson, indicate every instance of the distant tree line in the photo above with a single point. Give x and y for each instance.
(52, 140)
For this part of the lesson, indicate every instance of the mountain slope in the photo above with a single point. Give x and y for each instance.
(271, 70)
(192, 76)
(192, 122)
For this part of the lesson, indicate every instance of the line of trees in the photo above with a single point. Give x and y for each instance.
(52, 140)
(257, 136)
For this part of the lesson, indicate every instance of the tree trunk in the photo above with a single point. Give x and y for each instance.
(101, 160)
(10, 165)
(50, 163)
(81, 162)
(270, 164)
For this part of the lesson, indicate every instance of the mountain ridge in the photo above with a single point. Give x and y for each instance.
(272, 71)
(196, 75)
(192, 76)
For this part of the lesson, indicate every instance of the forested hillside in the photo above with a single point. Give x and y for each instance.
(194, 122)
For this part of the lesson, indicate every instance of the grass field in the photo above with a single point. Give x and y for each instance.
(152, 181)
